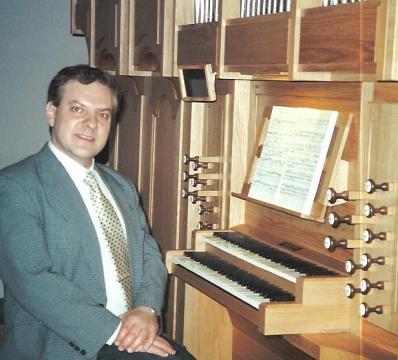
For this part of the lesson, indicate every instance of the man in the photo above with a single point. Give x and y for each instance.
(83, 277)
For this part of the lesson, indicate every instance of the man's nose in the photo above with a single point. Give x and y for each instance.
(91, 120)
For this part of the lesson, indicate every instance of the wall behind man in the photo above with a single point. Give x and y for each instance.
(35, 43)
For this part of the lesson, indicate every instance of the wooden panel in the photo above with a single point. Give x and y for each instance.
(184, 15)
(197, 44)
(111, 26)
(80, 17)
(382, 156)
(339, 38)
(147, 51)
(83, 22)
(211, 137)
(385, 92)
(168, 129)
(165, 174)
(242, 138)
(248, 342)
(374, 343)
(386, 40)
(207, 327)
(105, 55)
(293, 318)
(127, 146)
(151, 37)
(257, 45)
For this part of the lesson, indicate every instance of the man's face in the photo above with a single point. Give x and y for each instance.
(81, 122)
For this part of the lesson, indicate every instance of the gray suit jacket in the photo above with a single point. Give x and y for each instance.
(50, 262)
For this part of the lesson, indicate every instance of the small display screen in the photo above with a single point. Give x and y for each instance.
(195, 83)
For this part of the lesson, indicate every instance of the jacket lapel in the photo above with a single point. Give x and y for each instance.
(65, 197)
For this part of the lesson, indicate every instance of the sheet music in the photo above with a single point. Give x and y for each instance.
(289, 169)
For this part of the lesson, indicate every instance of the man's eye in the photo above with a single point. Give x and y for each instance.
(76, 109)
(104, 116)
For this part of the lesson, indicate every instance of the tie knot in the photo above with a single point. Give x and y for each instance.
(90, 180)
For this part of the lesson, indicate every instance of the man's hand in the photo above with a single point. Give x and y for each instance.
(161, 347)
(138, 331)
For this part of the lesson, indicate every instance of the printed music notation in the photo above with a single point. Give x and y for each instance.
(290, 165)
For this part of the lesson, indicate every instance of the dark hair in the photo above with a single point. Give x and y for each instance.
(84, 74)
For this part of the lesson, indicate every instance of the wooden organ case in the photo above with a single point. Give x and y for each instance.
(248, 279)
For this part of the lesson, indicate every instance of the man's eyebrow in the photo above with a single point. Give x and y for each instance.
(71, 102)
(75, 102)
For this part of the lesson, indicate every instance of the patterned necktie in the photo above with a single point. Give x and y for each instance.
(114, 235)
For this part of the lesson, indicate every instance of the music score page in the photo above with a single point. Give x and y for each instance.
(290, 165)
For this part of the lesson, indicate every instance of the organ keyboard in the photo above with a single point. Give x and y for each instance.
(281, 264)
(279, 292)
(245, 286)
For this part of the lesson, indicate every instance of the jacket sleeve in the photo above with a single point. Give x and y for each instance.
(26, 269)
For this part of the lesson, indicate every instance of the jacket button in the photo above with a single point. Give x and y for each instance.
(83, 352)
(77, 348)
(71, 344)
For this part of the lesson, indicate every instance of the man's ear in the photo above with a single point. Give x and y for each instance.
(51, 111)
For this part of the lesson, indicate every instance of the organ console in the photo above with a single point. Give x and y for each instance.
(272, 287)
(272, 270)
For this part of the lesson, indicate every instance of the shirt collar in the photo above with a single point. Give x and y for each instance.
(76, 171)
